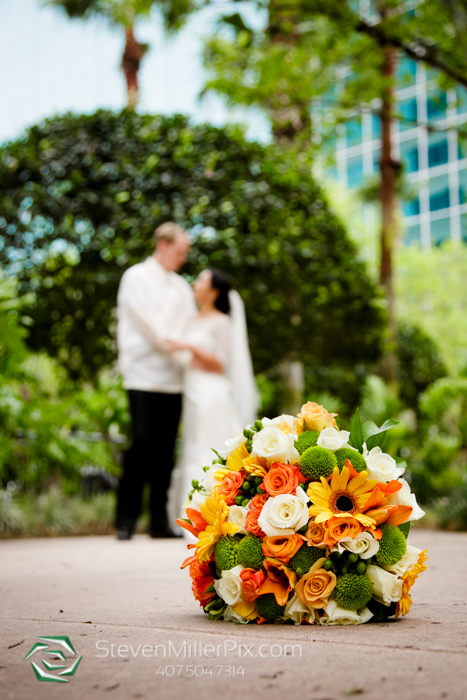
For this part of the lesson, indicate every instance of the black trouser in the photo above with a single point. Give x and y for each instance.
(154, 419)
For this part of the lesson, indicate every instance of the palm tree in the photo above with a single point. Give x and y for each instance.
(125, 14)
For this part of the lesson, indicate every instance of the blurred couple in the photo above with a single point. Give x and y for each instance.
(178, 346)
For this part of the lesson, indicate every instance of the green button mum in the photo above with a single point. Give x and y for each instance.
(316, 462)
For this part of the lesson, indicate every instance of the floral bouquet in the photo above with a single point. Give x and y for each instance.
(300, 522)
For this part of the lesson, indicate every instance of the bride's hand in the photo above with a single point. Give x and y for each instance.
(174, 345)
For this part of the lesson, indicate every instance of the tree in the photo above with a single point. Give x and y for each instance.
(125, 14)
(81, 195)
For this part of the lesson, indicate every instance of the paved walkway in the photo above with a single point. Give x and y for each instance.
(132, 595)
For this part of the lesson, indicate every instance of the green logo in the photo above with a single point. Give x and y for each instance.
(55, 672)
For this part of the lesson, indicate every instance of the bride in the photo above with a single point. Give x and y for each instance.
(220, 395)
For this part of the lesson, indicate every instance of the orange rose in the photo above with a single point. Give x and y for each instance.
(251, 522)
(282, 547)
(315, 534)
(230, 486)
(337, 528)
(251, 581)
(202, 579)
(316, 417)
(259, 500)
(316, 586)
(281, 478)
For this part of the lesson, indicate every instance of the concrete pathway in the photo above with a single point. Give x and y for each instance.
(120, 603)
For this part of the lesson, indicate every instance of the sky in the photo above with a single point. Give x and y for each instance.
(51, 65)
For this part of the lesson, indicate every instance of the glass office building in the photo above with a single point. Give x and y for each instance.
(426, 140)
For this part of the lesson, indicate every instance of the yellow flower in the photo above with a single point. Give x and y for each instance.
(342, 497)
(246, 609)
(215, 512)
(409, 578)
(255, 465)
(234, 462)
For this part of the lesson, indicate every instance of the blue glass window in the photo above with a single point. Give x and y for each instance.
(412, 235)
(438, 153)
(376, 126)
(354, 171)
(464, 227)
(354, 132)
(462, 186)
(439, 193)
(461, 95)
(440, 231)
(408, 114)
(411, 208)
(409, 155)
(436, 105)
(406, 72)
(461, 148)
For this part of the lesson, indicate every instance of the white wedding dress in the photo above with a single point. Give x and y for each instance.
(216, 406)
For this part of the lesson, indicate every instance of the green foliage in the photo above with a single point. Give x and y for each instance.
(392, 545)
(268, 607)
(316, 462)
(303, 560)
(225, 553)
(355, 458)
(250, 552)
(435, 283)
(84, 194)
(420, 363)
(353, 591)
(307, 439)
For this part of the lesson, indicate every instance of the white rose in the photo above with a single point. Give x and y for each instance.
(237, 515)
(210, 480)
(337, 616)
(364, 544)
(296, 610)
(229, 586)
(231, 616)
(284, 514)
(387, 588)
(231, 445)
(333, 439)
(284, 418)
(404, 497)
(380, 465)
(408, 560)
(197, 500)
(274, 445)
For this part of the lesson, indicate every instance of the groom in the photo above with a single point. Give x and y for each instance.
(154, 307)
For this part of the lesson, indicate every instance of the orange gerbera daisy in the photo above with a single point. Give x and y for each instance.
(347, 494)
(409, 578)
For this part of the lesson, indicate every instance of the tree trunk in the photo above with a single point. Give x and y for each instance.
(131, 60)
(294, 381)
(389, 169)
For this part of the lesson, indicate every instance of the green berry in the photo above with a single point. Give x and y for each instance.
(268, 607)
(260, 490)
(304, 559)
(307, 439)
(245, 502)
(353, 592)
(225, 553)
(250, 552)
(361, 567)
(247, 433)
(328, 565)
(392, 545)
(246, 486)
(353, 558)
(355, 458)
(316, 462)
(239, 500)
(258, 425)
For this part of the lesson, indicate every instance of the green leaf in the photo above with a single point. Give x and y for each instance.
(374, 436)
(405, 528)
(224, 461)
(356, 433)
(380, 612)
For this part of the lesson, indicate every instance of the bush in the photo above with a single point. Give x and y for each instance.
(420, 363)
